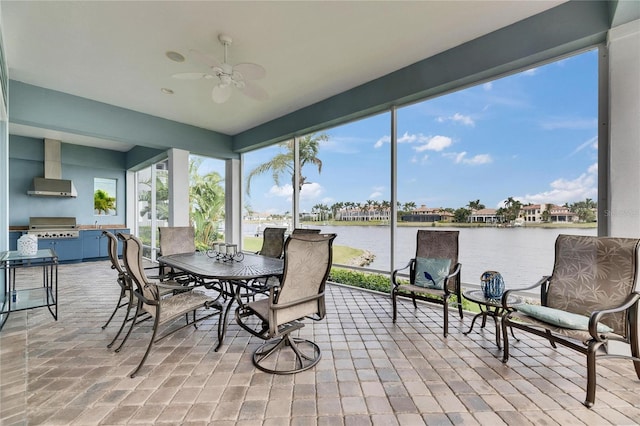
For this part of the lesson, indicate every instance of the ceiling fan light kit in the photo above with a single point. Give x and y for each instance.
(237, 76)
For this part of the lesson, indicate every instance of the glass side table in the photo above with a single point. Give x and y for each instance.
(19, 297)
(489, 308)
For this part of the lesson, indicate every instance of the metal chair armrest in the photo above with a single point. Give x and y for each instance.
(595, 316)
(539, 283)
(395, 272)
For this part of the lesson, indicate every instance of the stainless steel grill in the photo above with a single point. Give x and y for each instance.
(53, 227)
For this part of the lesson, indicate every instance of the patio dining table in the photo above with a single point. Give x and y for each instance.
(227, 276)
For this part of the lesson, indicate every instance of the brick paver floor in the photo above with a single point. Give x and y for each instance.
(372, 372)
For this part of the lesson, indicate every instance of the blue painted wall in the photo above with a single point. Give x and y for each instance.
(81, 164)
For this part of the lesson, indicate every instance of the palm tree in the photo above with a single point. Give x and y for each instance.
(475, 205)
(408, 207)
(206, 198)
(512, 208)
(102, 202)
(283, 163)
(162, 197)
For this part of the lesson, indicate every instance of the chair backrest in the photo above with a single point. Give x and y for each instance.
(132, 257)
(177, 239)
(273, 242)
(112, 250)
(307, 263)
(593, 273)
(305, 231)
(438, 244)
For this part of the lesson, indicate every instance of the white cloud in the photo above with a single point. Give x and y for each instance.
(281, 191)
(461, 158)
(407, 138)
(378, 191)
(435, 143)
(310, 191)
(568, 191)
(532, 71)
(591, 143)
(570, 123)
(458, 118)
(382, 141)
(487, 86)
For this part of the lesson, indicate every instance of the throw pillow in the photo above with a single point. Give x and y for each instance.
(560, 318)
(431, 272)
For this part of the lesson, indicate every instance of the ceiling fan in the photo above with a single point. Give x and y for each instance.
(228, 75)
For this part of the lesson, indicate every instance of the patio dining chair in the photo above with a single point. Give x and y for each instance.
(305, 231)
(176, 240)
(272, 246)
(434, 273)
(588, 304)
(125, 300)
(273, 242)
(163, 310)
(307, 262)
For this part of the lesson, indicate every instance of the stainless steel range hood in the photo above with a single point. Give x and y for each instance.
(51, 185)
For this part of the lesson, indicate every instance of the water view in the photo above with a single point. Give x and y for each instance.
(521, 255)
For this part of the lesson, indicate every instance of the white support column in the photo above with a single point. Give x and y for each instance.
(178, 187)
(232, 201)
(623, 212)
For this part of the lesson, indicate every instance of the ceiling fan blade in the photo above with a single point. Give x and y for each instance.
(254, 91)
(205, 58)
(190, 75)
(221, 93)
(250, 71)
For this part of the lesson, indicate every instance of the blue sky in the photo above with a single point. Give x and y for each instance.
(531, 136)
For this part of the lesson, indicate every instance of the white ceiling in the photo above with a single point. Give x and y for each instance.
(114, 52)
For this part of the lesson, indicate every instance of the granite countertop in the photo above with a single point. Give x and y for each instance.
(79, 227)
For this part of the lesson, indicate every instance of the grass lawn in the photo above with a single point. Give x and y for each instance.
(341, 254)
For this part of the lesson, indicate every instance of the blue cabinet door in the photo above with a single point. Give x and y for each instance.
(95, 245)
(13, 239)
(67, 250)
(92, 242)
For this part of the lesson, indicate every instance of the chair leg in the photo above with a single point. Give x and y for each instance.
(635, 346)
(156, 322)
(505, 338)
(591, 373)
(133, 322)
(118, 306)
(124, 320)
(302, 360)
(446, 316)
(413, 297)
(395, 305)
(553, 344)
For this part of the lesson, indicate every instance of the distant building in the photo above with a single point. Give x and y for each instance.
(427, 214)
(537, 213)
(562, 214)
(352, 214)
(484, 216)
(533, 212)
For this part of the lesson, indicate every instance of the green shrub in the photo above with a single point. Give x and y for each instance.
(365, 280)
(378, 282)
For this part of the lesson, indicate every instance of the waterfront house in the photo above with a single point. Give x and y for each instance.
(485, 216)
(428, 214)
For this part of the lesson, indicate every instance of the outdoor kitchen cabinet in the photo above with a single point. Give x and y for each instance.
(95, 245)
(67, 249)
(13, 239)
